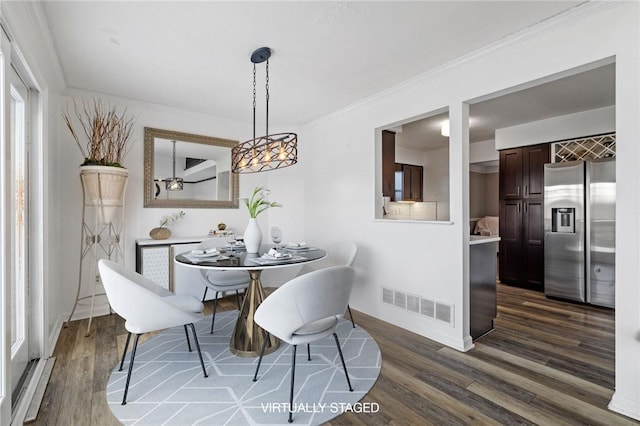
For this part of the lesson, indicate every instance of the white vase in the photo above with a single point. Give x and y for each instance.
(252, 236)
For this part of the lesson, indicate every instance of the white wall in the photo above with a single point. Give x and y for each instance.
(436, 181)
(483, 194)
(586, 123)
(435, 177)
(482, 151)
(428, 259)
(410, 156)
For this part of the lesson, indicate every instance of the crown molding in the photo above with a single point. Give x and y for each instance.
(560, 20)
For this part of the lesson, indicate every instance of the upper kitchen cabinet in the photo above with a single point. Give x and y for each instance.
(511, 173)
(388, 163)
(533, 160)
(411, 180)
(522, 172)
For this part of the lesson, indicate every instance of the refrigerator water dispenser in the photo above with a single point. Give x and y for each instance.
(563, 220)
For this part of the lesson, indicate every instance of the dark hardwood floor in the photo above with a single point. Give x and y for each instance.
(547, 362)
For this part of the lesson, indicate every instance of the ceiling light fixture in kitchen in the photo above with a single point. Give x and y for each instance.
(268, 152)
(444, 129)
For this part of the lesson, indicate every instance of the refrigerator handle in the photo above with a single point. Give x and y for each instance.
(525, 207)
(518, 207)
(526, 188)
(518, 191)
(587, 231)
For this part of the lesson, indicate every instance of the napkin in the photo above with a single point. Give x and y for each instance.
(277, 255)
(211, 251)
(302, 244)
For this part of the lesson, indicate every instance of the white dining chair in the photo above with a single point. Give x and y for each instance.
(341, 253)
(304, 310)
(221, 281)
(146, 307)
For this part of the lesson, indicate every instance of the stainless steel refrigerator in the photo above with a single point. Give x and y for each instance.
(579, 222)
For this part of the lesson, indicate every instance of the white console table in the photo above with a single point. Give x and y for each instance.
(155, 260)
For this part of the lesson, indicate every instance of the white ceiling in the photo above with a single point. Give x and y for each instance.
(560, 95)
(326, 55)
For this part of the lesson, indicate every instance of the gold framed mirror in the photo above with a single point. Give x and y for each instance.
(189, 171)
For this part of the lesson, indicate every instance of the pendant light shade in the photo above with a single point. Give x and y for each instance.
(268, 152)
(174, 183)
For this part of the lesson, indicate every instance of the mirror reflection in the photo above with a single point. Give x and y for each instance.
(187, 170)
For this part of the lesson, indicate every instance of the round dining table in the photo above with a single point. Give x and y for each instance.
(248, 337)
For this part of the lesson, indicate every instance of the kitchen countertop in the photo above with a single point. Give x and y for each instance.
(482, 239)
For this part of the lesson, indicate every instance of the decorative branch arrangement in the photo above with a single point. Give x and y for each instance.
(108, 133)
(166, 220)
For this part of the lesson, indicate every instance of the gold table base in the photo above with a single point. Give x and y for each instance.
(247, 337)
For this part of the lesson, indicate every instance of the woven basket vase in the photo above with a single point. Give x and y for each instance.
(160, 233)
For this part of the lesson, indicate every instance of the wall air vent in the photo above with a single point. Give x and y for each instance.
(387, 296)
(400, 300)
(444, 312)
(429, 308)
(413, 303)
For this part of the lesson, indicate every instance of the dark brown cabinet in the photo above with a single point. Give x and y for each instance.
(388, 163)
(521, 216)
(412, 182)
(511, 174)
(400, 182)
(522, 172)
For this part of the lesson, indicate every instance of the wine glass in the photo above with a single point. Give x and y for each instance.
(232, 241)
(276, 235)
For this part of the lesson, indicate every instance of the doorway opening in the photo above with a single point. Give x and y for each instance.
(514, 134)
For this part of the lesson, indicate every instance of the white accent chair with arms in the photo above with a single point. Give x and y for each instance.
(221, 281)
(341, 253)
(146, 307)
(304, 310)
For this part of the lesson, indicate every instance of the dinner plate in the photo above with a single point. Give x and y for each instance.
(275, 261)
(202, 255)
(282, 256)
(297, 247)
(234, 247)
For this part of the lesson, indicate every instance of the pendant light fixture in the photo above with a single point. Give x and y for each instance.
(174, 183)
(267, 152)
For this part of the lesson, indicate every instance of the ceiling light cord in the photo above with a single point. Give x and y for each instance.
(254, 101)
(174, 160)
(267, 97)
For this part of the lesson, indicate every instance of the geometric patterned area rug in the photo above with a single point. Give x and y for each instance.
(168, 388)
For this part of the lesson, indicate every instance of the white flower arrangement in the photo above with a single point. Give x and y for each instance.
(258, 202)
(166, 220)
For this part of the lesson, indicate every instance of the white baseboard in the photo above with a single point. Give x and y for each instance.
(624, 406)
(468, 344)
(83, 311)
(55, 334)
